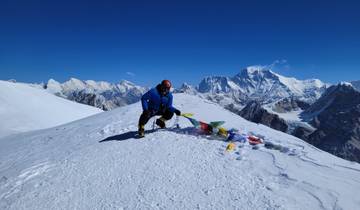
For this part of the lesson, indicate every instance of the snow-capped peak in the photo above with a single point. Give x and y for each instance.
(255, 73)
(216, 84)
(74, 83)
(126, 84)
(186, 88)
(53, 86)
(256, 69)
(97, 86)
(51, 80)
(346, 84)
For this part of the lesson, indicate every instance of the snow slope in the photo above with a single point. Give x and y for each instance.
(24, 108)
(73, 167)
(356, 85)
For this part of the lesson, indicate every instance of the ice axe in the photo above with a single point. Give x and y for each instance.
(186, 115)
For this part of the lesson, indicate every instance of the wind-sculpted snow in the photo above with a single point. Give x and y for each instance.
(96, 163)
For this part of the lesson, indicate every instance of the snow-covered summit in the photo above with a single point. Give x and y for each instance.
(125, 86)
(186, 88)
(255, 72)
(74, 84)
(53, 86)
(67, 168)
(256, 68)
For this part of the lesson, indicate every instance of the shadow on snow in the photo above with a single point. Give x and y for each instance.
(188, 131)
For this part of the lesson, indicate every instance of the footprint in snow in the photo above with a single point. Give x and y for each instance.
(3, 179)
(241, 155)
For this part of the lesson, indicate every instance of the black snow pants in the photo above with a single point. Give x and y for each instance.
(145, 116)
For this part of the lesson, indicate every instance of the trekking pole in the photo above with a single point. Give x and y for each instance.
(176, 123)
(154, 124)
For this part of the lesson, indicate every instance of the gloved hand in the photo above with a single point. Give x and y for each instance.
(177, 112)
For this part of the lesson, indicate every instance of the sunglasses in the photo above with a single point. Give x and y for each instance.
(165, 90)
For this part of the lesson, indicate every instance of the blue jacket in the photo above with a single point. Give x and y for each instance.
(153, 101)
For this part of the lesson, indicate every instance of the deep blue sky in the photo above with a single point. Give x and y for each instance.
(146, 41)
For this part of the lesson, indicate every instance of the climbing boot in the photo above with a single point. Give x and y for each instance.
(161, 122)
(141, 131)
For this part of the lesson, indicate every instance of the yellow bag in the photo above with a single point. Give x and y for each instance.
(230, 147)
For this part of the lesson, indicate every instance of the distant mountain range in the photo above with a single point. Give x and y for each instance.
(103, 95)
(336, 117)
(253, 83)
(263, 85)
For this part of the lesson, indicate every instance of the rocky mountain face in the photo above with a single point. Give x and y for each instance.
(103, 95)
(186, 88)
(290, 104)
(336, 117)
(303, 132)
(254, 112)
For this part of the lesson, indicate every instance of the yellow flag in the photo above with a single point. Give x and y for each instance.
(223, 132)
(187, 114)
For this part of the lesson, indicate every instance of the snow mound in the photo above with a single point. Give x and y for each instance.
(96, 163)
(24, 108)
